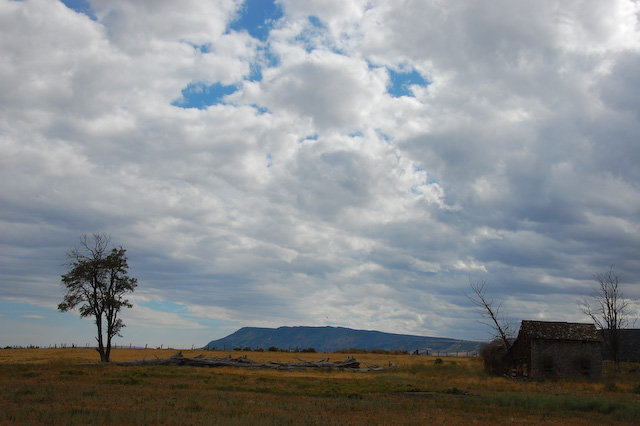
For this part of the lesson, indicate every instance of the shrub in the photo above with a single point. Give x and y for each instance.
(351, 351)
(496, 358)
(611, 387)
(455, 391)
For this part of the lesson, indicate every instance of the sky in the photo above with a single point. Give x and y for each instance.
(349, 163)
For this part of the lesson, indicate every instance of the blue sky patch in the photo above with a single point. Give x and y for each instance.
(255, 73)
(313, 137)
(200, 95)
(258, 17)
(202, 48)
(164, 306)
(81, 6)
(260, 108)
(266, 59)
(315, 21)
(23, 310)
(401, 82)
(432, 180)
(387, 138)
(311, 35)
(25, 324)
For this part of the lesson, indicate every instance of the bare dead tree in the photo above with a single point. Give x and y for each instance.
(609, 310)
(491, 312)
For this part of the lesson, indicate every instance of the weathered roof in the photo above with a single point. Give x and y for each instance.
(559, 330)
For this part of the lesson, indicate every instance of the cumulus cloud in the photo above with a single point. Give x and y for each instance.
(309, 193)
(333, 90)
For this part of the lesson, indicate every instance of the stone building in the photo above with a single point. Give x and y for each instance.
(557, 350)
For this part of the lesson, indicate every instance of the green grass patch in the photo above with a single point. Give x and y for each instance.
(617, 409)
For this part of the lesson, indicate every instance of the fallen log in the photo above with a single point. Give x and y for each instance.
(242, 362)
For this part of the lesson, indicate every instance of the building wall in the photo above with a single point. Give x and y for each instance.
(521, 357)
(565, 358)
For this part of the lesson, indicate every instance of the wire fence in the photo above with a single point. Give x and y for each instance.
(91, 346)
(423, 352)
(446, 354)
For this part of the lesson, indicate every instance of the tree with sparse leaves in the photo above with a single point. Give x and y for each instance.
(609, 310)
(491, 312)
(496, 354)
(97, 282)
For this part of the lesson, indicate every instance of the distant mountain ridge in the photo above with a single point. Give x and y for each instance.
(330, 339)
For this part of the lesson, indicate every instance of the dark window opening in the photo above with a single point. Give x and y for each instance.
(547, 364)
(583, 365)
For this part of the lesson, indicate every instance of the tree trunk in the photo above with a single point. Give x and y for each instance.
(103, 356)
(110, 333)
(615, 348)
(108, 351)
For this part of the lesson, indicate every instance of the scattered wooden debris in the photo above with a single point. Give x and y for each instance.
(200, 361)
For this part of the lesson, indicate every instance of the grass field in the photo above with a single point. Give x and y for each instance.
(68, 386)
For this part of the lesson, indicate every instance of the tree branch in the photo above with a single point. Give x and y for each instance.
(488, 311)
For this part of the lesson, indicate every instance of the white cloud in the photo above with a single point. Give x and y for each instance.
(335, 91)
(32, 316)
(339, 203)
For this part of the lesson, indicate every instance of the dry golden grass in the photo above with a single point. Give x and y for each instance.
(69, 386)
